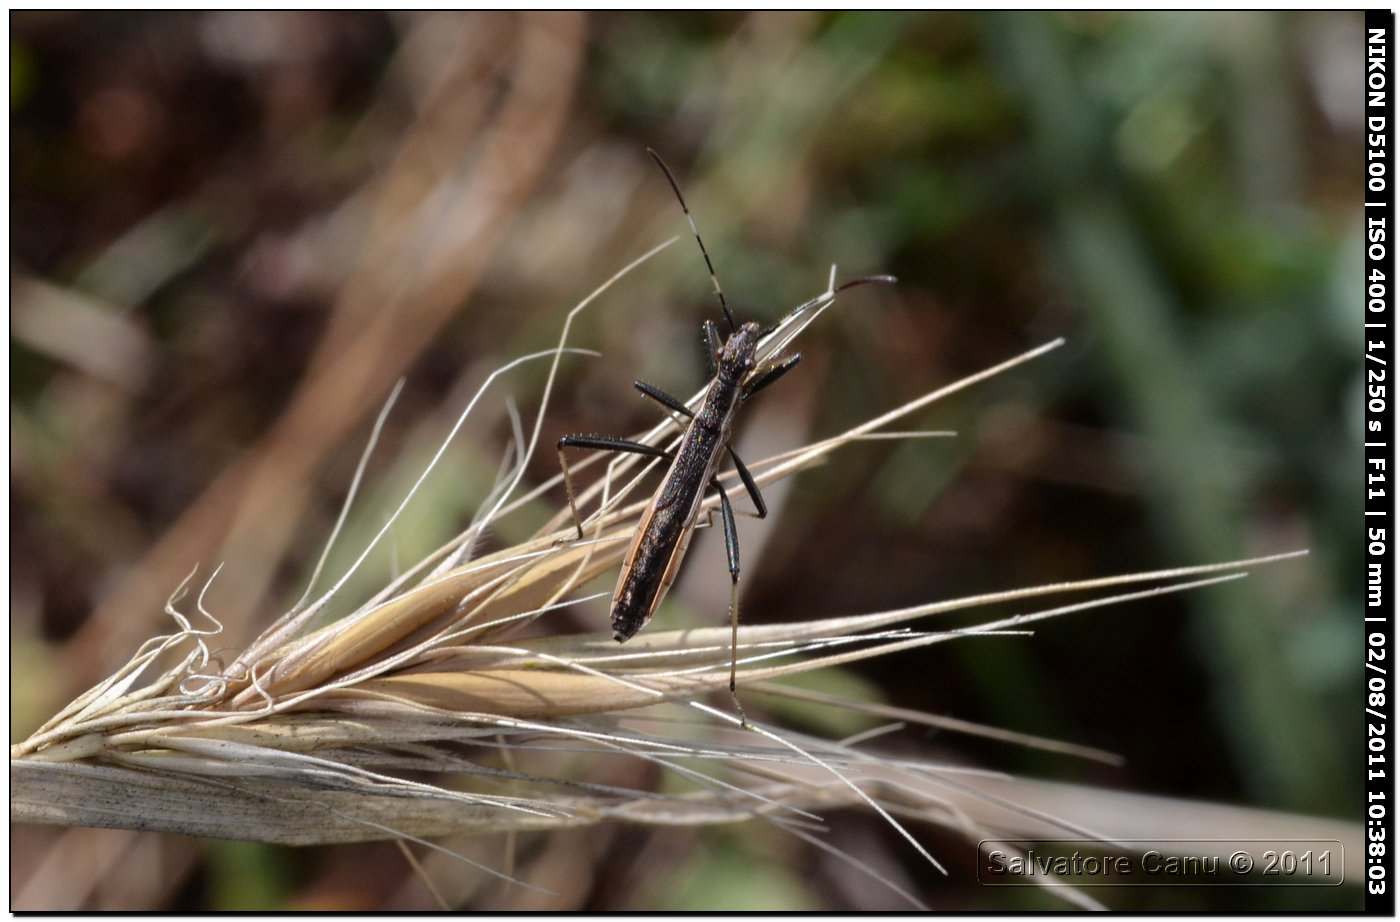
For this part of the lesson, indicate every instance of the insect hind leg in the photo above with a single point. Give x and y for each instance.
(731, 548)
(598, 443)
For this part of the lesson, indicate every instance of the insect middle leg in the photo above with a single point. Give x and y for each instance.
(663, 398)
(599, 443)
(671, 403)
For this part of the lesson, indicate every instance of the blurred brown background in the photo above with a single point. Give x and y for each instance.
(232, 232)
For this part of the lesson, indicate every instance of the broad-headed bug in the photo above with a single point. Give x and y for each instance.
(666, 527)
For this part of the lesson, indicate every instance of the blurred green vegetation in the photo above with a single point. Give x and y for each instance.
(209, 210)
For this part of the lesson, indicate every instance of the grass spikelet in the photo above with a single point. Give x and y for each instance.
(323, 734)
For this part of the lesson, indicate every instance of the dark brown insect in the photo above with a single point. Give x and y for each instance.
(667, 525)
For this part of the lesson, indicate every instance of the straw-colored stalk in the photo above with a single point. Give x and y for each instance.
(307, 735)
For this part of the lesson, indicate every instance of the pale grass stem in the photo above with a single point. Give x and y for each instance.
(306, 736)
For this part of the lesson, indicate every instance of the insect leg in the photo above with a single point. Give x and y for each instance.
(663, 398)
(731, 547)
(712, 347)
(749, 485)
(773, 372)
(598, 443)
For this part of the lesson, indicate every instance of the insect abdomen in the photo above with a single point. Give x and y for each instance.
(664, 532)
(642, 585)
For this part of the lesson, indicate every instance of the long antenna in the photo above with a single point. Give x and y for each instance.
(822, 300)
(714, 279)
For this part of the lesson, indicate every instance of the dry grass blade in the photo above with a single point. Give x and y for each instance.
(310, 735)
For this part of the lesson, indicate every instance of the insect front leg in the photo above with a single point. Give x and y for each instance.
(599, 443)
(769, 372)
(713, 345)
